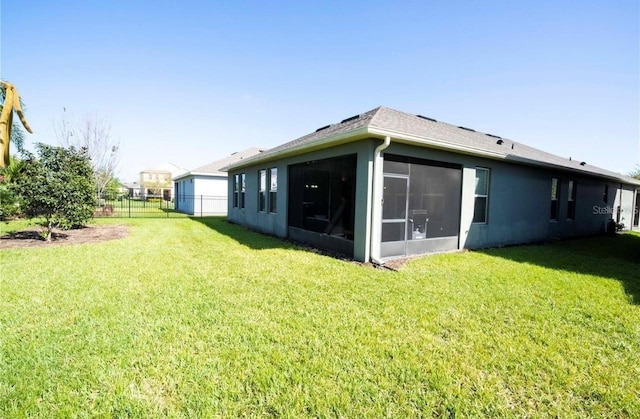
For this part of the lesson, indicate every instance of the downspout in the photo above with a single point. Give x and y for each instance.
(619, 210)
(376, 203)
(619, 206)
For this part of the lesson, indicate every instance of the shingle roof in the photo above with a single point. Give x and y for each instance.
(214, 168)
(414, 129)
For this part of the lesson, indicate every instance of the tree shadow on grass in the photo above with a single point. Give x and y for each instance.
(616, 257)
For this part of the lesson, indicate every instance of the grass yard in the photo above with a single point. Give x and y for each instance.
(196, 317)
(126, 207)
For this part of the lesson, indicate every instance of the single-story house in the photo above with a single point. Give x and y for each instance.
(203, 191)
(386, 184)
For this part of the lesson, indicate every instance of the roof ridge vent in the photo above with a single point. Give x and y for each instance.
(322, 128)
(467, 129)
(494, 136)
(427, 118)
(350, 119)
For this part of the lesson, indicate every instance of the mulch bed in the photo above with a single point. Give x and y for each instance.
(91, 234)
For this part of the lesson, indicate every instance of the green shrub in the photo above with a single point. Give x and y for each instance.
(9, 202)
(57, 186)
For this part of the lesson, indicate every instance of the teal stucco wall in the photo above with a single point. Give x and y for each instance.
(518, 207)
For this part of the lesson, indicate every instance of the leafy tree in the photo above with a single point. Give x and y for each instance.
(112, 189)
(636, 172)
(9, 202)
(57, 186)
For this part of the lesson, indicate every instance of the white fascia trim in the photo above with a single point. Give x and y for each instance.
(365, 131)
(191, 174)
(180, 177)
(538, 163)
(434, 142)
(215, 174)
(501, 156)
(352, 135)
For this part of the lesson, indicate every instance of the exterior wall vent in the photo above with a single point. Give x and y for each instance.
(350, 119)
(427, 118)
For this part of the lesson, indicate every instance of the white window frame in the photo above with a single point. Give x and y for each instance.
(555, 198)
(262, 190)
(272, 190)
(571, 199)
(236, 191)
(477, 195)
(243, 184)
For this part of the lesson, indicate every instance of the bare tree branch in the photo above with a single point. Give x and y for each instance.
(63, 130)
(91, 133)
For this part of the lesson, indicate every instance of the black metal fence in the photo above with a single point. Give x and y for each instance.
(155, 207)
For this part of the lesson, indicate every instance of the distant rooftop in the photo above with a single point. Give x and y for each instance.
(215, 168)
(165, 168)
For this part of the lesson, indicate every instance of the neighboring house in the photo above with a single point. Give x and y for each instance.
(203, 191)
(155, 182)
(387, 184)
(133, 189)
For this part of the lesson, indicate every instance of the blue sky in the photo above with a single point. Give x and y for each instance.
(190, 82)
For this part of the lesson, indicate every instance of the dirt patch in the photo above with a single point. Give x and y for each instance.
(90, 234)
(397, 264)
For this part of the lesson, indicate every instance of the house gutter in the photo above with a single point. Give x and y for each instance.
(341, 138)
(443, 145)
(376, 203)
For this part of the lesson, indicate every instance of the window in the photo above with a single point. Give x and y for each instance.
(242, 189)
(555, 193)
(481, 196)
(236, 191)
(273, 189)
(571, 201)
(605, 195)
(262, 191)
(267, 189)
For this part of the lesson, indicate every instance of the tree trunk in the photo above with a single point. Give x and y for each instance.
(49, 230)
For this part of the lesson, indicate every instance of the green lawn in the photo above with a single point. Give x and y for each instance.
(136, 208)
(199, 318)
